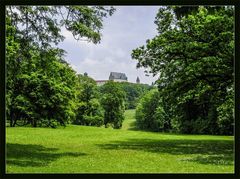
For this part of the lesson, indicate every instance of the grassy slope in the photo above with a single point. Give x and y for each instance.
(80, 149)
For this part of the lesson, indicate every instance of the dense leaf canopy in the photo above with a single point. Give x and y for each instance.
(193, 55)
(113, 100)
(42, 89)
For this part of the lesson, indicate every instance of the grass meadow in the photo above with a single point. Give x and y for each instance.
(84, 149)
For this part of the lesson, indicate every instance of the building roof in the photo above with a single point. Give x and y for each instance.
(117, 75)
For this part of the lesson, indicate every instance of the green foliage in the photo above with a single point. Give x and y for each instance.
(42, 23)
(42, 90)
(89, 111)
(43, 96)
(112, 101)
(12, 49)
(150, 113)
(226, 114)
(133, 93)
(193, 55)
(93, 120)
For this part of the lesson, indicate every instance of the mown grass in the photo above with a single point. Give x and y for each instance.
(82, 149)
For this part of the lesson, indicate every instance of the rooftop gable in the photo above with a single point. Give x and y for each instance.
(117, 75)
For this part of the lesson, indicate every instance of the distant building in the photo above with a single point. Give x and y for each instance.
(118, 77)
(114, 76)
(137, 80)
(101, 82)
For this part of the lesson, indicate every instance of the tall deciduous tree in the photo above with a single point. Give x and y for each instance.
(113, 104)
(40, 84)
(43, 96)
(89, 111)
(42, 23)
(193, 54)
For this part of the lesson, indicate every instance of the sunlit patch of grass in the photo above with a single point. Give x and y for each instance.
(83, 149)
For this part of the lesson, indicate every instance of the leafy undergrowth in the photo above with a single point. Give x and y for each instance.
(83, 149)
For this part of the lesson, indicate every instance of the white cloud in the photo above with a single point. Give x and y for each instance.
(66, 34)
(127, 29)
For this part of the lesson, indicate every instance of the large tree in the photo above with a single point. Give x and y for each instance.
(150, 113)
(193, 54)
(35, 91)
(89, 111)
(42, 96)
(42, 23)
(113, 100)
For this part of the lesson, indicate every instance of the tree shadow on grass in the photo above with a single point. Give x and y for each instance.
(214, 152)
(29, 155)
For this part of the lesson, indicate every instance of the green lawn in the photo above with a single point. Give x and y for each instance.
(82, 149)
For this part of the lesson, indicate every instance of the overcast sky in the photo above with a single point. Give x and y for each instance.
(128, 28)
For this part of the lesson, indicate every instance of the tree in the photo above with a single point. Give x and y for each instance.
(150, 112)
(89, 111)
(12, 49)
(133, 93)
(193, 54)
(36, 93)
(41, 24)
(43, 97)
(113, 104)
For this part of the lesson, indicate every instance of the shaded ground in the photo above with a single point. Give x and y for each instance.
(212, 152)
(83, 149)
(28, 155)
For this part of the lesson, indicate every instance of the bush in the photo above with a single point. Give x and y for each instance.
(92, 120)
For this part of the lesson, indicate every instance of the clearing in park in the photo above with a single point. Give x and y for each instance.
(83, 149)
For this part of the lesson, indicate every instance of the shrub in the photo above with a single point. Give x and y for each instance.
(93, 120)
